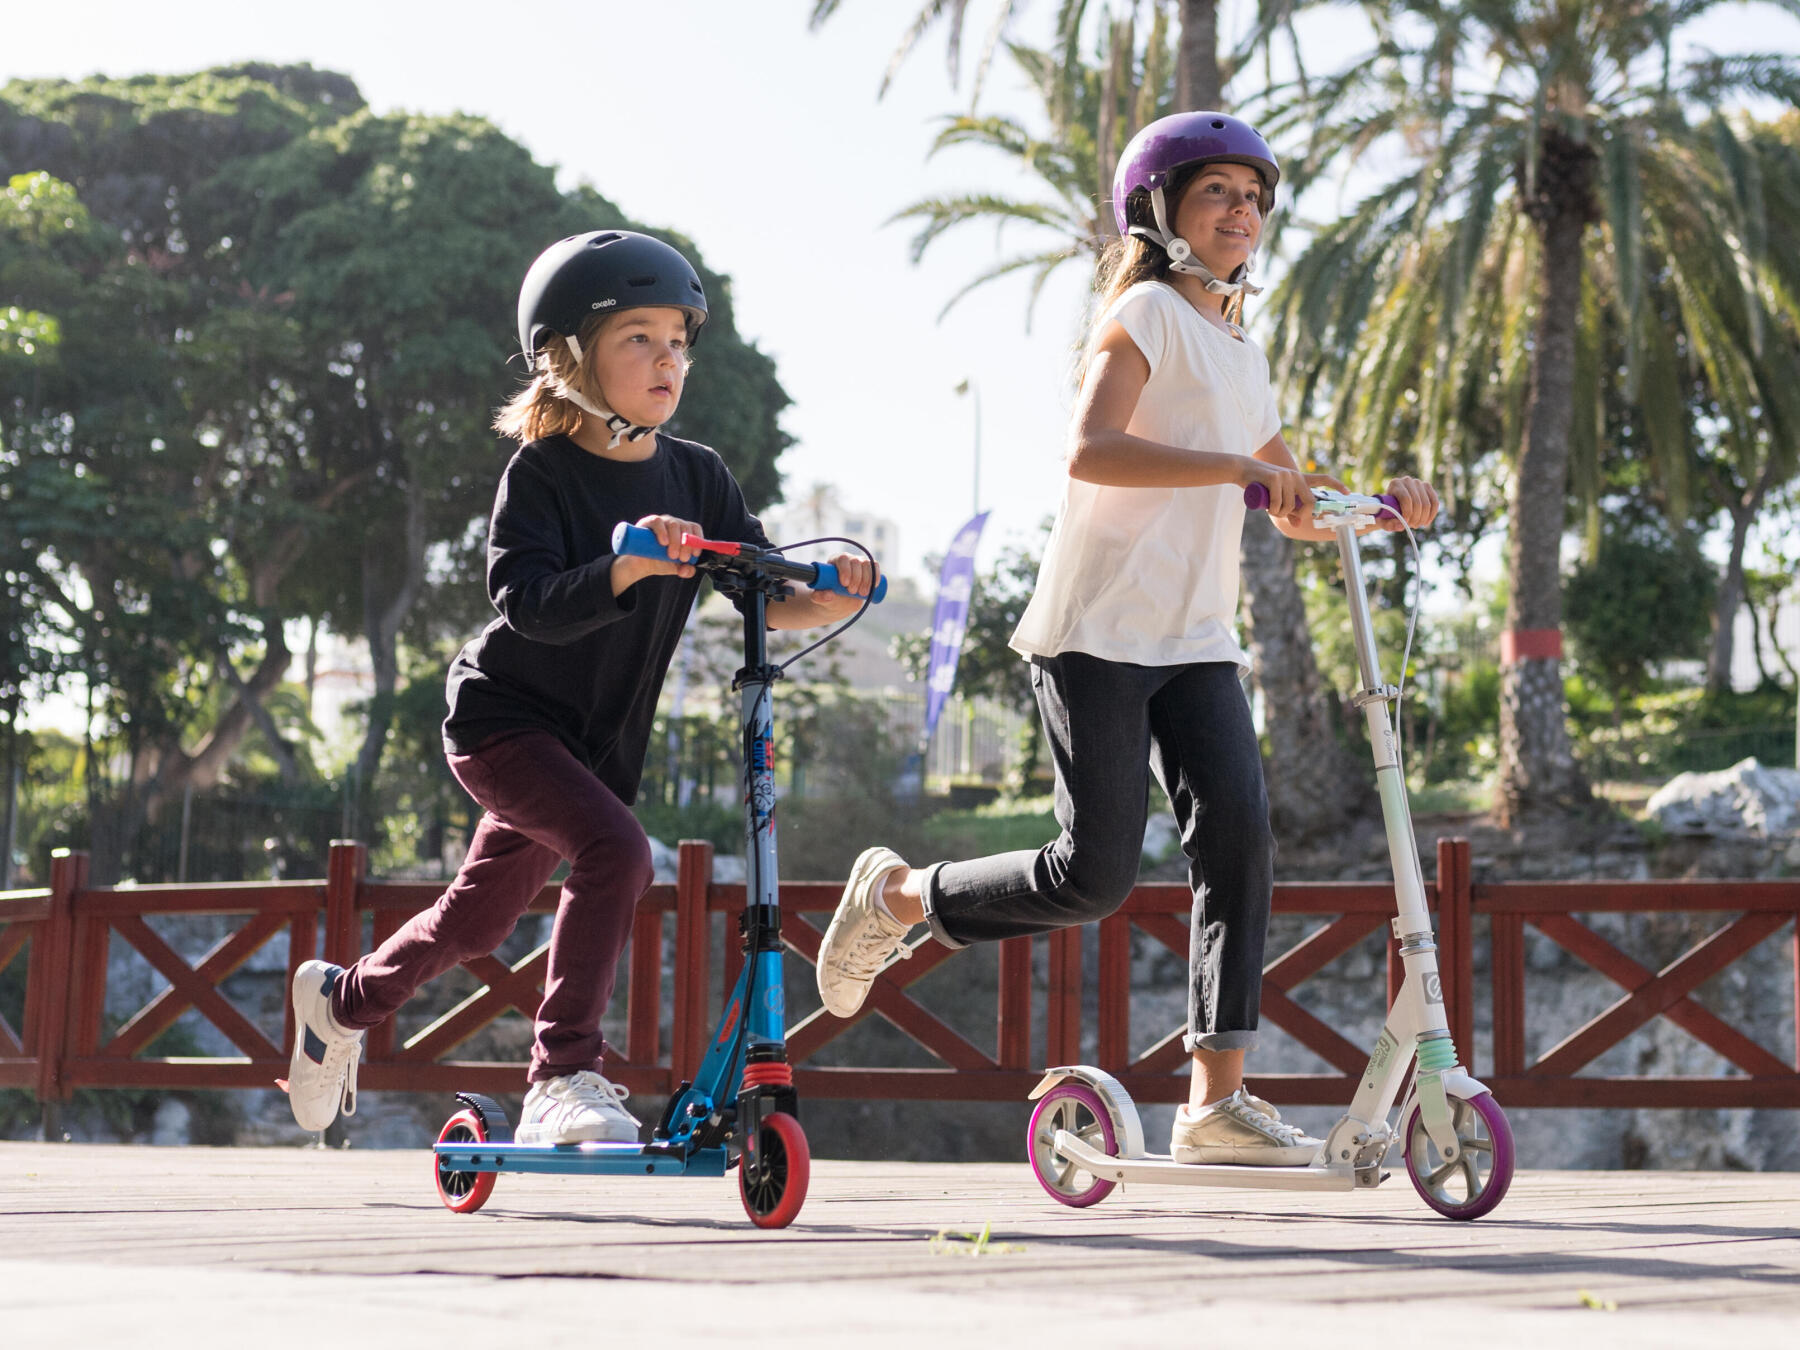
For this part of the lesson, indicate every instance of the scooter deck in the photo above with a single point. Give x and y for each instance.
(592, 1159)
(1162, 1170)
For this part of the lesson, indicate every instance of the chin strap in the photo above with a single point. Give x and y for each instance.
(623, 429)
(1181, 256)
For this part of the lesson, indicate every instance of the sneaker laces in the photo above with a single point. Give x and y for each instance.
(1244, 1107)
(870, 950)
(590, 1089)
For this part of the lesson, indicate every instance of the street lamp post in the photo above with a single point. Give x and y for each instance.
(972, 389)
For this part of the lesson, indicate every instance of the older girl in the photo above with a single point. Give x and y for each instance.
(1130, 630)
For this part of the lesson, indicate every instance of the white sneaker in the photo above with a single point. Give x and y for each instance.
(321, 1077)
(862, 936)
(575, 1109)
(1241, 1129)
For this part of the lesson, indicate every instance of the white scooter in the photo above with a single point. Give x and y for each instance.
(1085, 1137)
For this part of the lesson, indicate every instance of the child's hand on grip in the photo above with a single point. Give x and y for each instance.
(627, 571)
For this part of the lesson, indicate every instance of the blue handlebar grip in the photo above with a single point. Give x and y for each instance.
(634, 541)
(828, 581)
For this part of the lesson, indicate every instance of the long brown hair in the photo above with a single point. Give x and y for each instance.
(1130, 259)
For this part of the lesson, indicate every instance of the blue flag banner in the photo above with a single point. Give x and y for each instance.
(950, 620)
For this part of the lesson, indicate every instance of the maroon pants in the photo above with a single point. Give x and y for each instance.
(541, 806)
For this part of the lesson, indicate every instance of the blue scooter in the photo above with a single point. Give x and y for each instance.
(741, 1110)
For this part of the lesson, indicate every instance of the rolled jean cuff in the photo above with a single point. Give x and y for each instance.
(928, 897)
(1219, 1040)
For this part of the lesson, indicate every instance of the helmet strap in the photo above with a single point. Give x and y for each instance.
(1181, 255)
(623, 429)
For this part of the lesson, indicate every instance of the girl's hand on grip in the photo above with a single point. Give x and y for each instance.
(1290, 496)
(1418, 503)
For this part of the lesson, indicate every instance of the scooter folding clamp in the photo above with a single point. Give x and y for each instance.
(1381, 693)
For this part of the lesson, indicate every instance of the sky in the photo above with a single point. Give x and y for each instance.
(765, 144)
(762, 142)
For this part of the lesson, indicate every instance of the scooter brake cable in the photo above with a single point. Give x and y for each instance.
(866, 600)
(1412, 622)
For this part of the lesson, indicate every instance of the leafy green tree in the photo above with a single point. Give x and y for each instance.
(1644, 598)
(1554, 167)
(282, 339)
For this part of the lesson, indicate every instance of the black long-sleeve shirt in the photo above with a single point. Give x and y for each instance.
(566, 655)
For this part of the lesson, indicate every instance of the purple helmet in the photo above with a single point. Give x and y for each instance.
(1180, 139)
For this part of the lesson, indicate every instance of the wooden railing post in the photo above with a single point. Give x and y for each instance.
(1063, 1034)
(344, 870)
(52, 982)
(693, 957)
(1113, 1005)
(1014, 1031)
(1456, 948)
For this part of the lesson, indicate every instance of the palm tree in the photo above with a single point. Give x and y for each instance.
(1552, 174)
(1751, 354)
(1198, 81)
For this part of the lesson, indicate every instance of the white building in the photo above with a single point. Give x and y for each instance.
(818, 511)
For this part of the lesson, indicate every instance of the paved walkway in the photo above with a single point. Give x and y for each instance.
(259, 1248)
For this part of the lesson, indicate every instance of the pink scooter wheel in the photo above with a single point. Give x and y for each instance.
(1077, 1108)
(1474, 1183)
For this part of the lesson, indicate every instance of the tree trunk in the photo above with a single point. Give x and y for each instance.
(1725, 607)
(1744, 508)
(1538, 772)
(1314, 780)
(1197, 83)
(390, 586)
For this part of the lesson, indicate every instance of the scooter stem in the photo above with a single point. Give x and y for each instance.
(1372, 698)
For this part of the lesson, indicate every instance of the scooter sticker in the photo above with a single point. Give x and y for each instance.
(1434, 988)
(1384, 1051)
(775, 1000)
(761, 774)
(730, 1021)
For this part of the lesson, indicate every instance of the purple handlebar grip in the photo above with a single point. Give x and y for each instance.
(1256, 498)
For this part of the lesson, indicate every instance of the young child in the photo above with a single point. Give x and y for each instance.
(1130, 630)
(551, 707)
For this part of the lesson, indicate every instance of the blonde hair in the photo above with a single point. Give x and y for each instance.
(543, 407)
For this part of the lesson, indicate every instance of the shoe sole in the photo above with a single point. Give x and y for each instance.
(1247, 1158)
(862, 875)
(526, 1134)
(300, 1060)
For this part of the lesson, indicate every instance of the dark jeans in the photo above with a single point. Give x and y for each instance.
(1107, 721)
(541, 806)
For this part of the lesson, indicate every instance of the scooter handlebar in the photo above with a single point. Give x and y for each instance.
(1256, 497)
(634, 541)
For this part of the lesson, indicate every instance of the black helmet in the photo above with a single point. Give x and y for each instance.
(604, 270)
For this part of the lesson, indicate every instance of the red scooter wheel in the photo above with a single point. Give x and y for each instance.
(773, 1199)
(462, 1192)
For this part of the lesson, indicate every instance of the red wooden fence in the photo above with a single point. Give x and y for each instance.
(63, 933)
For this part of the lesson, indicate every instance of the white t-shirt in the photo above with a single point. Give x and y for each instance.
(1150, 575)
